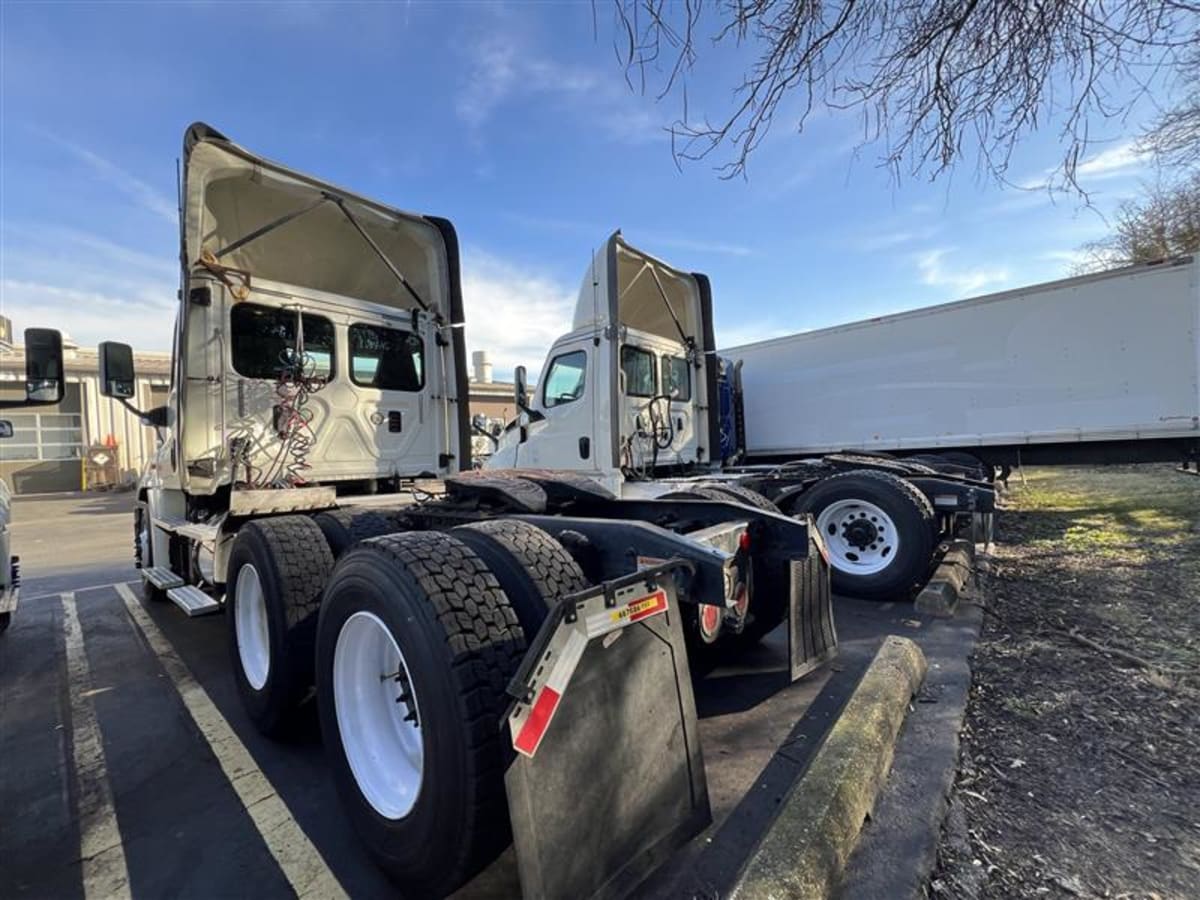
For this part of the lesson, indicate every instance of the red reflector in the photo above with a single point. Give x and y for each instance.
(539, 718)
(744, 541)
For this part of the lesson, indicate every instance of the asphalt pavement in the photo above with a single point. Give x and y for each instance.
(127, 767)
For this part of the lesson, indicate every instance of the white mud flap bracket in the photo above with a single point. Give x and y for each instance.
(607, 779)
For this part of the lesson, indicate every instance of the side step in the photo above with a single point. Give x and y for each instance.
(192, 600)
(161, 577)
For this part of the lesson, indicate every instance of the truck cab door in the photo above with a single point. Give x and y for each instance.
(559, 429)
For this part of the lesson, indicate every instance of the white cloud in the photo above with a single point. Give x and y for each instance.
(145, 195)
(514, 314)
(142, 317)
(962, 281)
(502, 69)
(87, 286)
(1118, 161)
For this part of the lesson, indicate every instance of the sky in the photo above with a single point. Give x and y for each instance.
(515, 122)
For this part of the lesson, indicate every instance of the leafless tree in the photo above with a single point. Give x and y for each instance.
(933, 80)
(1175, 135)
(1164, 223)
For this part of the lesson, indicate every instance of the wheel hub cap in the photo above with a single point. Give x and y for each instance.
(250, 623)
(378, 717)
(862, 539)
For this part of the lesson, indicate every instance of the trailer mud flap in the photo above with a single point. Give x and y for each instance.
(608, 778)
(812, 637)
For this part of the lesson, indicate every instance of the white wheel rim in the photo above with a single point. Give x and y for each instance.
(861, 538)
(250, 623)
(144, 539)
(380, 731)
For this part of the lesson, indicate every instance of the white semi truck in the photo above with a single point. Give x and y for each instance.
(1098, 368)
(44, 385)
(319, 353)
(636, 397)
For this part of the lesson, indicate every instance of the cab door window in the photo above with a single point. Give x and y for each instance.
(264, 342)
(386, 358)
(676, 378)
(638, 367)
(564, 381)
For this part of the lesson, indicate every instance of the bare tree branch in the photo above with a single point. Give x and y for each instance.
(1163, 224)
(935, 79)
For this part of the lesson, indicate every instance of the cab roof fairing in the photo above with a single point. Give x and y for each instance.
(229, 192)
(639, 303)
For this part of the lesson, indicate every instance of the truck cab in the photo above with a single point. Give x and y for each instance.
(45, 382)
(631, 389)
(318, 345)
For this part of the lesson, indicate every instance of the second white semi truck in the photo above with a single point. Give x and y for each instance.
(636, 397)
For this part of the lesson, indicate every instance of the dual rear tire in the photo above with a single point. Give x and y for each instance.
(411, 640)
(419, 635)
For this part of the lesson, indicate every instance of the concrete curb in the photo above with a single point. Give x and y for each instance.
(951, 580)
(806, 848)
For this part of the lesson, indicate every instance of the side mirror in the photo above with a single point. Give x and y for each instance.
(520, 389)
(116, 370)
(6, 429)
(44, 381)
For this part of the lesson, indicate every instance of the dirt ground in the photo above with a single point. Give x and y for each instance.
(1080, 768)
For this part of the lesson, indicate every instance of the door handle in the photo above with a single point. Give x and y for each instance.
(585, 447)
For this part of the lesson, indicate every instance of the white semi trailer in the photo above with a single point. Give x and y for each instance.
(1098, 368)
(319, 353)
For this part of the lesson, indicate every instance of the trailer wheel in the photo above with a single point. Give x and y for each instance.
(277, 571)
(878, 528)
(533, 568)
(143, 550)
(347, 526)
(415, 647)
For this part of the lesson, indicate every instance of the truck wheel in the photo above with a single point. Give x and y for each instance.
(277, 571)
(143, 550)
(878, 529)
(415, 646)
(345, 527)
(534, 570)
(742, 495)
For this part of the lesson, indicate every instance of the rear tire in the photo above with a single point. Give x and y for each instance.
(534, 570)
(440, 612)
(345, 527)
(143, 550)
(277, 572)
(879, 531)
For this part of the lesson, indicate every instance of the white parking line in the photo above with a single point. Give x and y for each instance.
(300, 861)
(101, 853)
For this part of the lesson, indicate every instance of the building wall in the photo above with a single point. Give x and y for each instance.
(47, 452)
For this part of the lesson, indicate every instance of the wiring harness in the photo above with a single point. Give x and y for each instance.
(292, 423)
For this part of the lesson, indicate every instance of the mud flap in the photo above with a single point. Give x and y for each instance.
(812, 638)
(608, 779)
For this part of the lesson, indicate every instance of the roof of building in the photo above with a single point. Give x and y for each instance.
(86, 361)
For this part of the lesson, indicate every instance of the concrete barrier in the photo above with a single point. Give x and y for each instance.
(805, 850)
